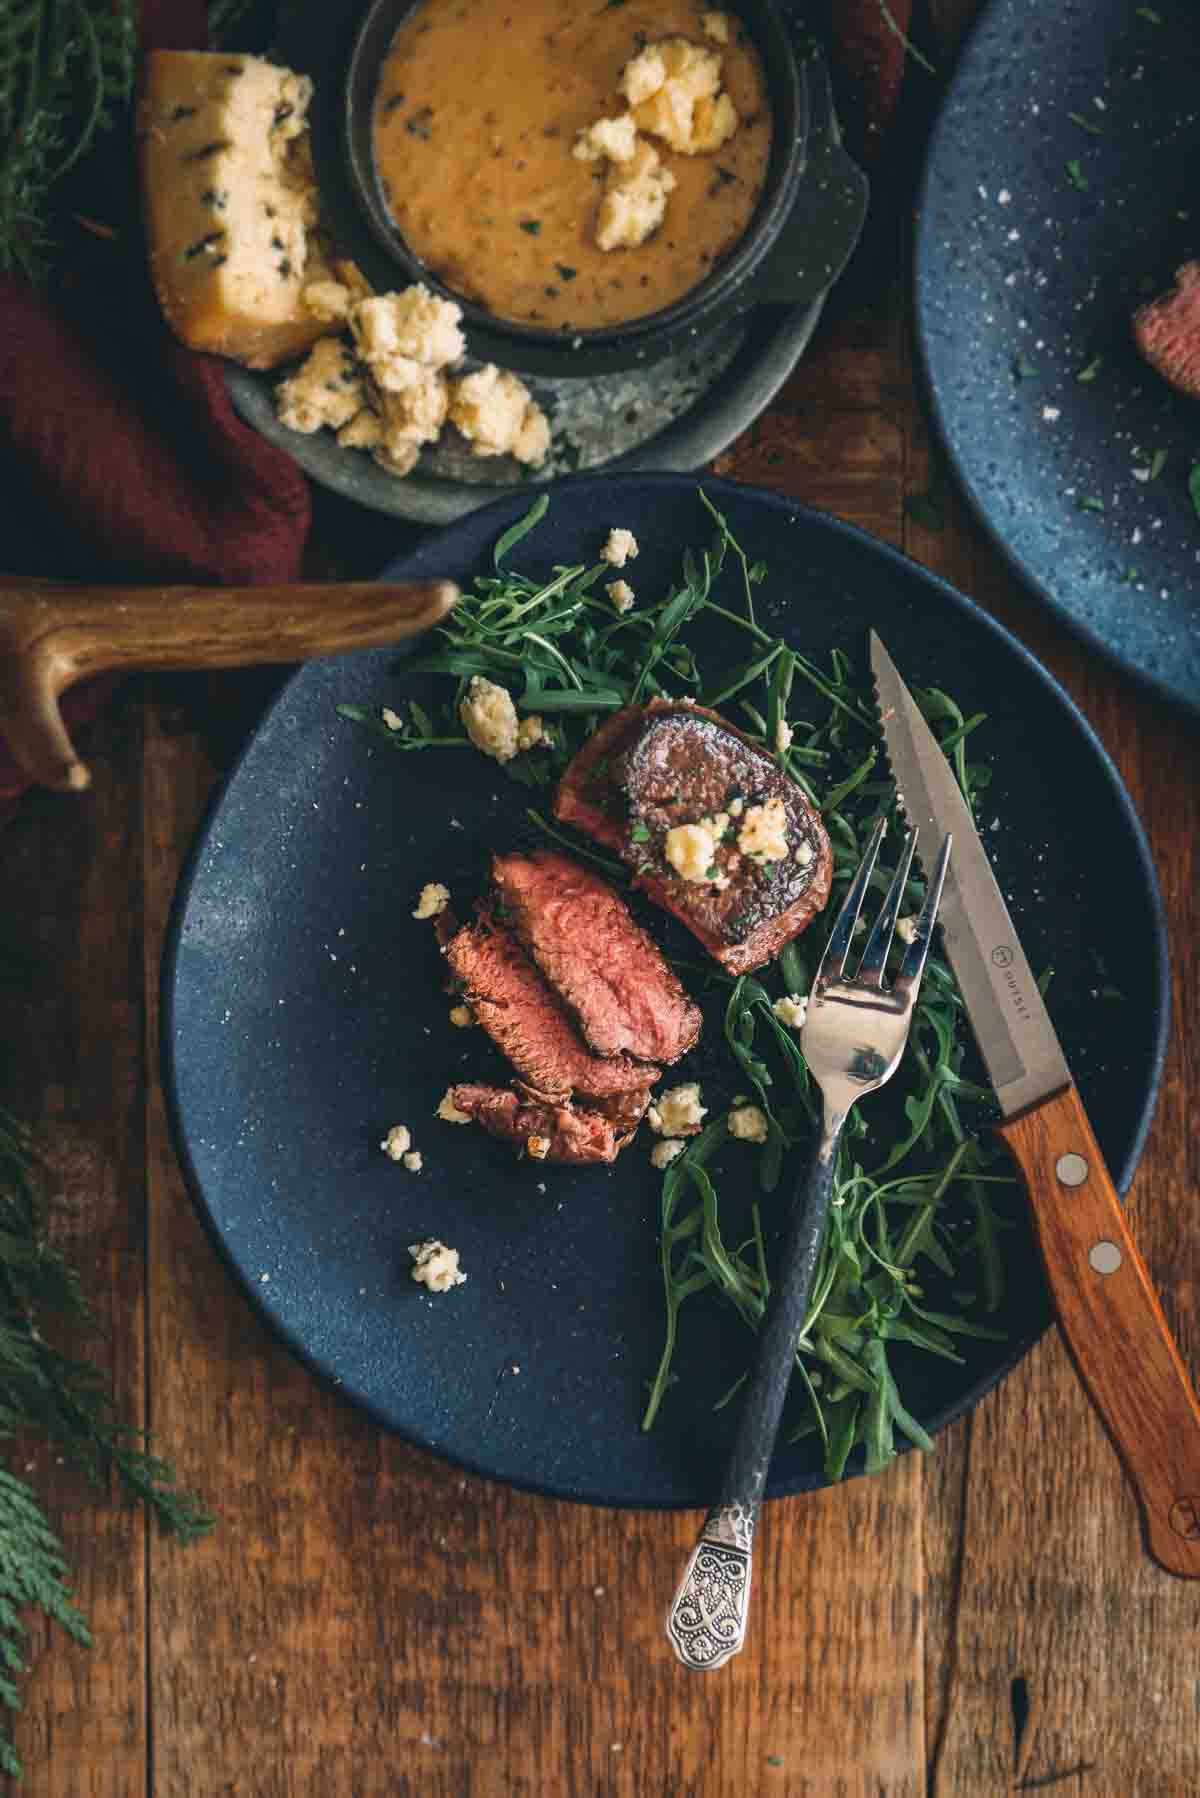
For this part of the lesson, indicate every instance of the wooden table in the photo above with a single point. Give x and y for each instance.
(369, 1623)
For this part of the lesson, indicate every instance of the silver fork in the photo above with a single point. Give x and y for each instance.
(852, 1039)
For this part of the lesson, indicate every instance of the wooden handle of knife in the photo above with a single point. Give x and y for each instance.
(52, 636)
(1113, 1323)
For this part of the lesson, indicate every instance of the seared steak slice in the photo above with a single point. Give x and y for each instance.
(714, 830)
(1168, 331)
(608, 972)
(525, 1020)
(539, 1127)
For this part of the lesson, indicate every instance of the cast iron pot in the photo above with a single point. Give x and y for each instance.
(794, 248)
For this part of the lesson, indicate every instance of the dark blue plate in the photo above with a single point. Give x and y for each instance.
(1036, 239)
(304, 1013)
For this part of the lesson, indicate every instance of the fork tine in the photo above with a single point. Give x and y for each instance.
(874, 958)
(833, 961)
(908, 980)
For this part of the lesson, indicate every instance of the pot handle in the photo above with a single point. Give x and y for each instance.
(52, 636)
(815, 244)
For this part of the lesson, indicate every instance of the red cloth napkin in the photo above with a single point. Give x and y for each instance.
(122, 456)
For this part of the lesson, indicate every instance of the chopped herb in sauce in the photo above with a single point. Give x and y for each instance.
(533, 226)
(421, 123)
(392, 102)
(566, 271)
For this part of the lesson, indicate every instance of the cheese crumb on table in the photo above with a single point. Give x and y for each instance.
(763, 835)
(413, 1161)
(397, 1142)
(490, 718)
(749, 1123)
(678, 1112)
(620, 546)
(448, 1111)
(462, 1017)
(498, 416)
(621, 594)
(791, 1010)
(664, 1153)
(410, 418)
(433, 900)
(634, 201)
(690, 849)
(614, 138)
(435, 1265)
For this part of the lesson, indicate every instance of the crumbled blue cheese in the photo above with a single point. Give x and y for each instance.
(433, 900)
(634, 201)
(498, 416)
(397, 1142)
(614, 138)
(791, 1010)
(448, 1111)
(435, 1265)
(414, 1161)
(716, 26)
(678, 1112)
(490, 718)
(328, 301)
(690, 849)
(324, 390)
(749, 1123)
(621, 594)
(393, 331)
(532, 733)
(664, 1153)
(620, 546)
(673, 89)
(763, 835)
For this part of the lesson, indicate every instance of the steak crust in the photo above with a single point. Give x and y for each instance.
(649, 769)
(559, 1131)
(1167, 331)
(605, 968)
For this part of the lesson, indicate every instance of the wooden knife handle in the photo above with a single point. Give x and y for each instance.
(52, 636)
(1113, 1323)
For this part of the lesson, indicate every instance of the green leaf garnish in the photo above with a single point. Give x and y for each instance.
(1075, 174)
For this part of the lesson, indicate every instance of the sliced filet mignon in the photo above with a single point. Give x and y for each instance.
(526, 1021)
(540, 1128)
(609, 973)
(1167, 331)
(714, 830)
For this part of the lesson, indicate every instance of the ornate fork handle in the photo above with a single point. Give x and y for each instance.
(706, 1624)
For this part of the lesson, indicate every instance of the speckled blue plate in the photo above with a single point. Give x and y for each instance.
(304, 1012)
(1037, 236)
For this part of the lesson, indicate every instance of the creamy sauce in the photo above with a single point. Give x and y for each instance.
(478, 107)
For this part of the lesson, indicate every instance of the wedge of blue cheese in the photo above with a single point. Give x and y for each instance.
(230, 203)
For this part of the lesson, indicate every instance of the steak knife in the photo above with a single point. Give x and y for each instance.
(1107, 1308)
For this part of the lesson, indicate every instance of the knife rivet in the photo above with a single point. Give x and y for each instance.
(1105, 1257)
(1072, 1170)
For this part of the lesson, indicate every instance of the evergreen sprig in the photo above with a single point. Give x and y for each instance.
(66, 70)
(46, 1391)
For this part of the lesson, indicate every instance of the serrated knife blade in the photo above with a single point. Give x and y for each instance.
(1008, 1015)
(1107, 1306)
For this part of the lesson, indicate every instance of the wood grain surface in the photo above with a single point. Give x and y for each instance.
(369, 1623)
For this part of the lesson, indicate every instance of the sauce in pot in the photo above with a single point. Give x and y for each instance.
(477, 111)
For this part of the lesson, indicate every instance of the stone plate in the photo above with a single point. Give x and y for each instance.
(305, 1012)
(1037, 236)
(675, 415)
